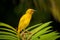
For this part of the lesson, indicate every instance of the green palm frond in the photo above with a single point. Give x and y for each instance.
(8, 32)
(8, 26)
(39, 28)
(40, 31)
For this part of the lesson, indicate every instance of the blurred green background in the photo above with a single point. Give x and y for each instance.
(46, 10)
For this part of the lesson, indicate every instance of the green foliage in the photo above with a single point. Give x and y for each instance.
(7, 32)
(40, 31)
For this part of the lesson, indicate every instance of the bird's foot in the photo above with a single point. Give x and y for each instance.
(23, 34)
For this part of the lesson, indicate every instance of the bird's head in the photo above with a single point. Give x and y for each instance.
(30, 11)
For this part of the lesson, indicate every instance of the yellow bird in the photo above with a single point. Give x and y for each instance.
(25, 20)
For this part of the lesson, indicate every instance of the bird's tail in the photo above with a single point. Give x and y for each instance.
(18, 33)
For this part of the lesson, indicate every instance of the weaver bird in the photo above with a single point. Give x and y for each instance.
(25, 20)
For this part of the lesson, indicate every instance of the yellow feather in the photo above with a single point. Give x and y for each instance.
(25, 20)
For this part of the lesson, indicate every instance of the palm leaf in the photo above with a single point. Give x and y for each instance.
(50, 36)
(39, 32)
(8, 26)
(8, 32)
(9, 37)
(42, 30)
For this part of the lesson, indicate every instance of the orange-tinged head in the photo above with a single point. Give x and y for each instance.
(30, 11)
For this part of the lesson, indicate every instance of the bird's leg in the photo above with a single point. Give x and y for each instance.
(23, 34)
(27, 32)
